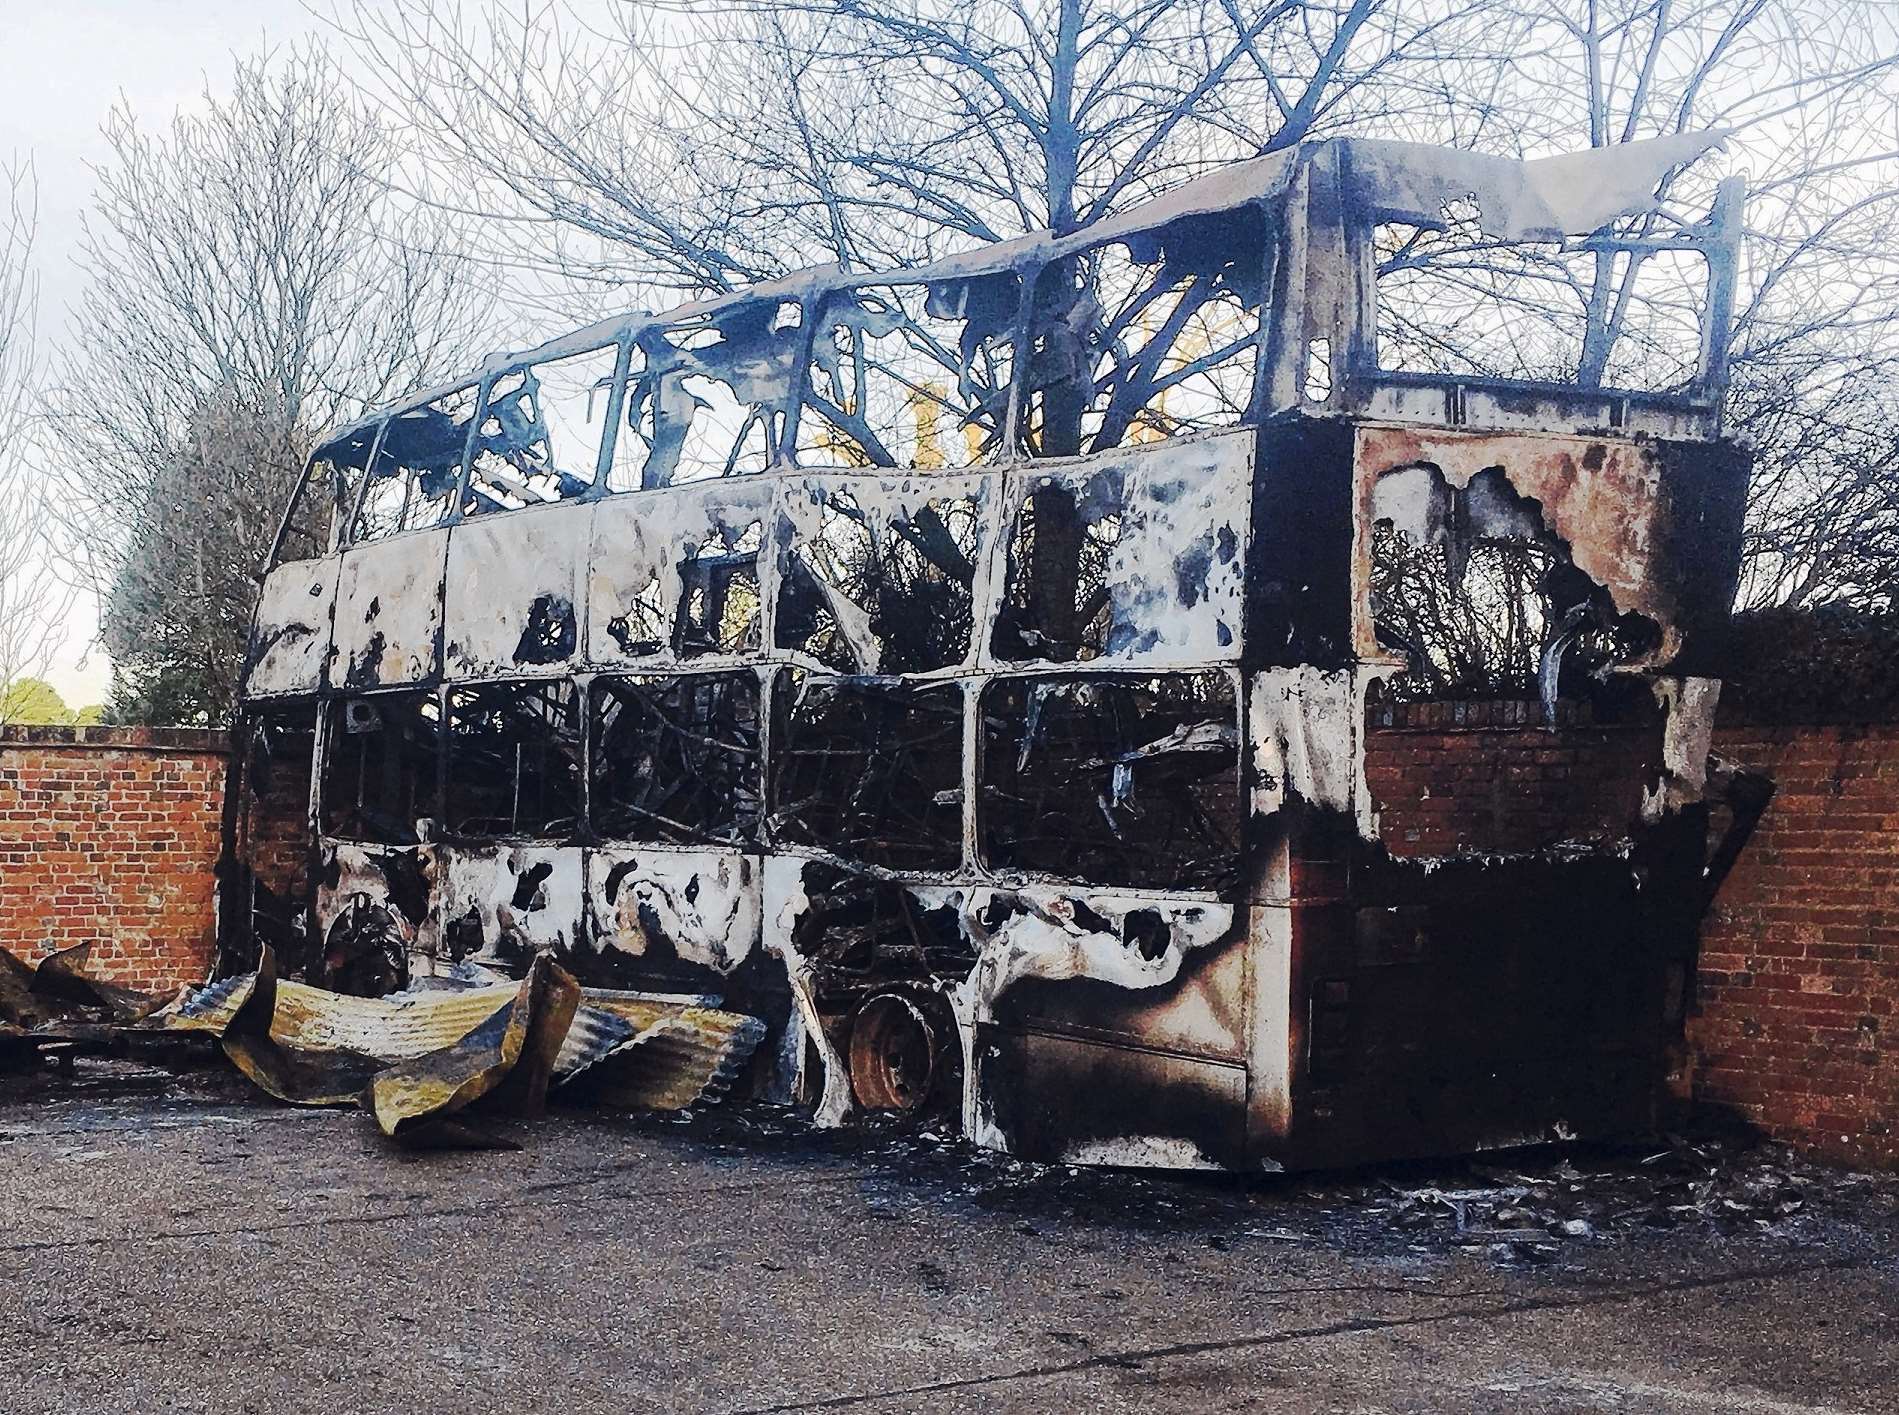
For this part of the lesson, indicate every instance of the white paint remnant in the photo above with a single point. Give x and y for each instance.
(1176, 575)
(290, 638)
(389, 610)
(1545, 199)
(1687, 740)
(487, 880)
(785, 900)
(1140, 1152)
(1042, 938)
(1305, 726)
(638, 543)
(499, 566)
(357, 873)
(705, 903)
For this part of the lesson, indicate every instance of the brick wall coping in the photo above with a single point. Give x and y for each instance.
(138, 739)
(1484, 715)
(1785, 730)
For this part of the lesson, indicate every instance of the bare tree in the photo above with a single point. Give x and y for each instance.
(33, 604)
(1823, 526)
(251, 282)
(690, 147)
(1804, 92)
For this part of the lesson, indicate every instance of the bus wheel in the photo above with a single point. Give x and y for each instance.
(893, 1054)
(367, 952)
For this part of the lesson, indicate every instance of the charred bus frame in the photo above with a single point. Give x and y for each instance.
(996, 676)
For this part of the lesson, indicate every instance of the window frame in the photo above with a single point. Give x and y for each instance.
(622, 346)
(355, 538)
(748, 839)
(329, 723)
(576, 692)
(978, 749)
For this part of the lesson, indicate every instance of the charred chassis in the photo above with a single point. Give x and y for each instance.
(996, 676)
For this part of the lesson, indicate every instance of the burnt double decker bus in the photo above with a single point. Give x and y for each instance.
(1156, 694)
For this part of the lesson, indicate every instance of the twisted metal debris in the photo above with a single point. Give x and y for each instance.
(422, 1063)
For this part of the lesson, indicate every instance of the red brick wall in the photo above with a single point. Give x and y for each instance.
(1487, 777)
(274, 837)
(1796, 1024)
(1799, 989)
(108, 836)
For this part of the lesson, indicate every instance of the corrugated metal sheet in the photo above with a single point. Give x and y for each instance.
(416, 1057)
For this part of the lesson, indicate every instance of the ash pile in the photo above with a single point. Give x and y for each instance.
(1530, 1214)
(1563, 1207)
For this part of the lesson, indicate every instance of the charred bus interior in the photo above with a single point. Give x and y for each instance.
(1155, 695)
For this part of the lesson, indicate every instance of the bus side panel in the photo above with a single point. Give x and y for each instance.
(1061, 1100)
(290, 640)
(514, 595)
(389, 611)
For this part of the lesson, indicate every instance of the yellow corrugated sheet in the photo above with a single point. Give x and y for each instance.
(416, 1057)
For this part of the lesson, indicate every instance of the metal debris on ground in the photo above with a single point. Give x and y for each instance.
(421, 1062)
(1550, 1205)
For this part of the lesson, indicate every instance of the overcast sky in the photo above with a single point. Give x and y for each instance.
(62, 65)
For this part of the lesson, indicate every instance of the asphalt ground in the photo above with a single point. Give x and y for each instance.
(174, 1244)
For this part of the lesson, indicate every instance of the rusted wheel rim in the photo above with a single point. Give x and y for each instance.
(893, 1054)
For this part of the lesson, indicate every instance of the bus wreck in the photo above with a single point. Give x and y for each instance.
(1098, 687)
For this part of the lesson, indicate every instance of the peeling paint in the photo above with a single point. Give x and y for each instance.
(1605, 500)
(524, 900)
(1171, 520)
(290, 638)
(1687, 744)
(1304, 730)
(704, 907)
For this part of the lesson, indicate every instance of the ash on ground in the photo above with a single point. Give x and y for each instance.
(1520, 1207)
(1549, 1205)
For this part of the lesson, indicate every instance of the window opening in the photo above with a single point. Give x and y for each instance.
(379, 769)
(869, 771)
(1115, 779)
(677, 759)
(513, 761)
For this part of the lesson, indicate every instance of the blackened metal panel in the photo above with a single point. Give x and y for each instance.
(514, 599)
(1454, 1005)
(290, 637)
(1707, 491)
(389, 611)
(1061, 1100)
